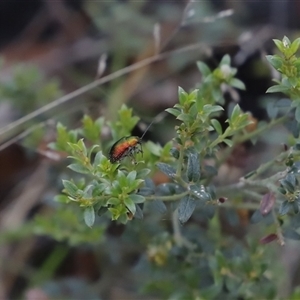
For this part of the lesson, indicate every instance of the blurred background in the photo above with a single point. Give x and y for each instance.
(49, 49)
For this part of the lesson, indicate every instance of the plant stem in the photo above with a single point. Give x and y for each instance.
(168, 198)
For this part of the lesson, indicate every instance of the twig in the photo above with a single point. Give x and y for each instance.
(9, 130)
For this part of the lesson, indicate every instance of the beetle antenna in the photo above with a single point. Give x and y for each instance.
(156, 119)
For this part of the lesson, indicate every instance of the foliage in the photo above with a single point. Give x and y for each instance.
(179, 225)
(211, 265)
(27, 90)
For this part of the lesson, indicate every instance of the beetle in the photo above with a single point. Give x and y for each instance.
(129, 145)
(125, 146)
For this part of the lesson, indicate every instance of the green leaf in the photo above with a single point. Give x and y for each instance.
(279, 45)
(70, 187)
(79, 168)
(91, 130)
(143, 173)
(193, 167)
(236, 112)
(130, 204)
(173, 111)
(203, 68)
(82, 147)
(217, 126)
(167, 169)
(137, 198)
(131, 176)
(182, 95)
(286, 42)
(278, 88)
(114, 201)
(237, 84)
(287, 185)
(88, 191)
(186, 208)
(225, 60)
(208, 108)
(228, 142)
(285, 207)
(275, 60)
(98, 159)
(200, 192)
(89, 216)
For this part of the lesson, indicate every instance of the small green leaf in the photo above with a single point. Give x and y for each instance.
(98, 158)
(91, 130)
(228, 142)
(130, 204)
(286, 42)
(131, 176)
(82, 147)
(173, 111)
(182, 95)
(237, 83)
(284, 207)
(186, 208)
(114, 201)
(236, 112)
(287, 185)
(275, 60)
(200, 192)
(208, 108)
(89, 216)
(279, 45)
(70, 187)
(143, 173)
(79, 168)
(225, 60)
(167, 169)
(217, 126)
(88, 191)
(277, 88)
(203, 68)
(137, 198)
(193, 167)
